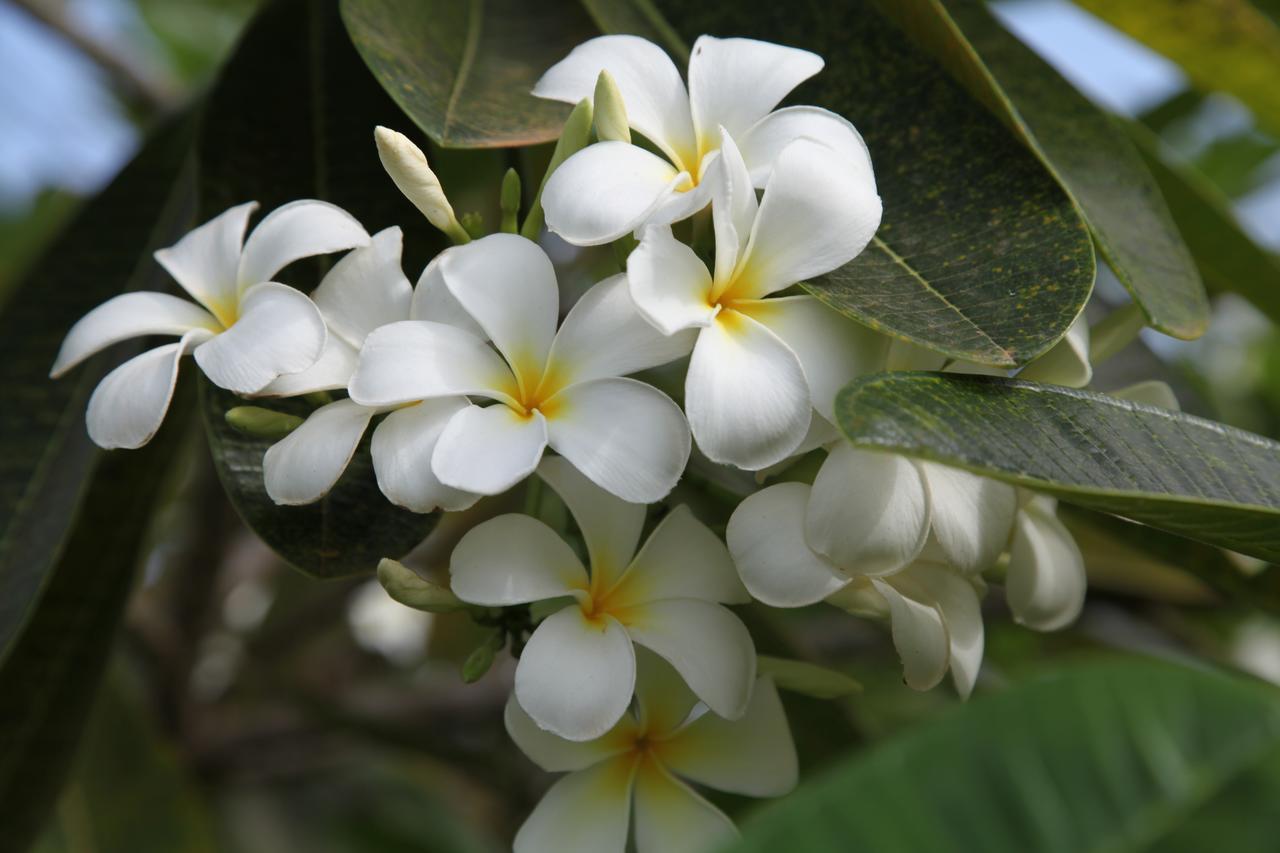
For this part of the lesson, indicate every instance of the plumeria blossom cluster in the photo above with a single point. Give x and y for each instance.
(636, 678)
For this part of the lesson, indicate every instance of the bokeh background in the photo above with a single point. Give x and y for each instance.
(250, 709)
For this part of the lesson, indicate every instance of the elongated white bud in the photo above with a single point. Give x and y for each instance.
(407, 165)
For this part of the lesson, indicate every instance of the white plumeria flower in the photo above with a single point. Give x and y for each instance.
(645, 764)
(249, 331)
(610, 189)
(577, 673)
(559, 389)
(1045, 580)
(761, 365)
(365, 291)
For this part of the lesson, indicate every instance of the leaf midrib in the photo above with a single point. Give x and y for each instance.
(475, 22)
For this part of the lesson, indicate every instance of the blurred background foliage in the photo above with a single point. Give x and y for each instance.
(248, 708)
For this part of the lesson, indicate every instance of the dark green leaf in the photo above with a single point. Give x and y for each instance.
(46, 456)
(637, 18)
(981, 254)
(345, 533)
(48, 682)
(464, 70)
(1174, 471)
(1229, 260)
(1222, 45)
(1119, 756)
(1082, 146)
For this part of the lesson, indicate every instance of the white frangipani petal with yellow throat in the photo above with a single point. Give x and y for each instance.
(245, 332)
(559, 389)
(577, 672)
(646, 764)
(613, 188)
(761, 365)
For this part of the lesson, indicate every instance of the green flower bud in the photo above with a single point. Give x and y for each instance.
(412, 590)
(610, 111)
(262, 423)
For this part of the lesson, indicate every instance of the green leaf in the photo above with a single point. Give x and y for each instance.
(1085, 148)
(48, 682)
(1125, 755)
(637, 18)
(345, 533)
(980, 254)
(463, 71)
(292, 116)
(1229, 260)
(808, 678)
(1171, 470)
(46, 457)
(1222, 45)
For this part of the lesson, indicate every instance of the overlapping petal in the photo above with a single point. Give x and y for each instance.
(734, 82)
(129, 315)
(669, 284)
(587, 810)
(433, 301)
(682, 558)
(304, 465)
(1045, 582)
(417, 360)
(673, 818)
(206, 261)
(514, 559)
(280, 331)
(365, 289)
(919, 635)
(402, 447)
(489, 450)
(557, 755)
(294, 231)
(610, 525)
(764, 141)
(972, 516)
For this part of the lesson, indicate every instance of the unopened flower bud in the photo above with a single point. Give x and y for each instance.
(262, 423)
(412, 590)
(510, 201)
(408, 168)
(610, 111)
(479, 661)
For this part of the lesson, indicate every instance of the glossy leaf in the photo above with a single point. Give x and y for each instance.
(981, 254)
(1174, 471)
(637, 18)
(1124, 756)
(463, 69)
(1222, 45)
(48, 682)
(1088, 152)
(345, 533)
(46, 457)
(292, 117)
(1229, 259)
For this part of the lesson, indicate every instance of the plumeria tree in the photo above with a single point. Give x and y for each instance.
(750, 370)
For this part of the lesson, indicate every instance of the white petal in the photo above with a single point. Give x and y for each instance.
(766, 539)
(817, 214)
(333, 370)
(767, 138)
(734, 209)
(587, 810)
(655, 98)
(663, 701)
(972, 515)
(402, 447)
(280, 331)
(627, 437)
(669, 284)
(904, 355)
(681, 559)
(607, 190)
(130, 402)
(417, 360)
(604, 335)
(576, 674)
(672, 818)
(1067, 361)
(754, 755)
(868, 511)
(433, 301)
(680, 202)
(293, 231)
(961, 609)
(734, 82)
(610, 525)
(557, 755)
(304, 465)
(920, 636)
(745, 394)
(129, 315)
(1151, 392)
(365, 289)
(1045, 583)
(205, 262)
(707, 644)
(488, 450)
(833, 349)
(508, 285)
(513, 559)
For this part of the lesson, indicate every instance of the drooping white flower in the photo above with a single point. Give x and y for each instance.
(612, 188)
(364, 291)
(761, 365)
(559, 389)
(933, 608)
(249, 331)
(577, 673)
(1045, 580)
(644, 764)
